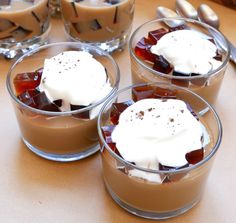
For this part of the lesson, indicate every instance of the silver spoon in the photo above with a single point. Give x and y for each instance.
(163, 12)
(205, 14)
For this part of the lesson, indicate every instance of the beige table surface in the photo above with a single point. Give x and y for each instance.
(34, 190)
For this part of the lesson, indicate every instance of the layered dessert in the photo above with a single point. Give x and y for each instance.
(179, 55)
(97, 21)
(59, 112)
(21, 20)
(155, 140)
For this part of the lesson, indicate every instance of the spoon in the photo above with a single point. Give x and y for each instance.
(163, 12)
(207, 15)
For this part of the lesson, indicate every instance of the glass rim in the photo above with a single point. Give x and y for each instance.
(64, 113)
(185, 169)
(142, 64)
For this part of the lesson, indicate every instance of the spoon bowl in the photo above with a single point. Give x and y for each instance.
(206, 14)
(185, 9)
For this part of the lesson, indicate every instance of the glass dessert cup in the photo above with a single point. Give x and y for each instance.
(106, 24)
(207, 85)
(24, 25)
(54, 135)
(181, 188)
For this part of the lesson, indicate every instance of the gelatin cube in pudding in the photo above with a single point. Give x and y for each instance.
(43, 103)
(107, 131)
(20, 33)
(181, 27)
(5, 2)
(117, 109)
(95, 25)
(195, 156)
(142, 50)
(142, 92)
(162, 65)
(82, 115)
(155, 35)
(218, 56)
(112, 2)
(180, 82)
(172, 177)
(5, 24)
(27, 81)
(37, 99)
(164, 93)
(27, 97)
(58, 102)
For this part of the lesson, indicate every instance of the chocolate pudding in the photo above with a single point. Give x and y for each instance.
(23, 20)
(155, 166)
(98, 21)
(57, 135)
(57, 98)
(186, 55)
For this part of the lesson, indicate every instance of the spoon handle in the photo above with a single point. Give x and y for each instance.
(232, 52)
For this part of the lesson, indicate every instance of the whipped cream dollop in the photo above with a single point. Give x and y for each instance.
(188, 51)
(153, 131)
(76, 78)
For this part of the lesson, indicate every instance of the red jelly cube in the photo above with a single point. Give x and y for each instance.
(162, 65)
(27, 97)
(142, 92)
(27, 81)
(164, 93)
(42, 102)
(180, 82)
(39, 100)
(107, 131)
(195, 156)
(181, 27)
(142, 50)
(117, 109)
(82, 115)
(218, 56)
(155, 35)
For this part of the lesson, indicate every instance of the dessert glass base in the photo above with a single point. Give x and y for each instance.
(62, 157)
(147, 214)
(16, 49)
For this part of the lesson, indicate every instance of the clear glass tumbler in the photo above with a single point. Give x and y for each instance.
(24, 25)
(206, 85)
(106, 24)
(59, 136)
(181, 188)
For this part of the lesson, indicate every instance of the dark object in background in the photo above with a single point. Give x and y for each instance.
(229, 3)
